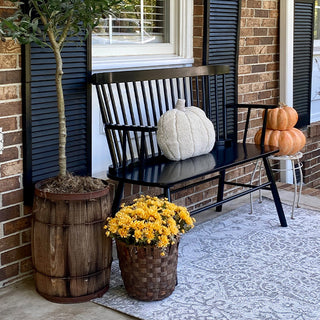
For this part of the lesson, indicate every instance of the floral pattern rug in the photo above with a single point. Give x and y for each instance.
(239, 266)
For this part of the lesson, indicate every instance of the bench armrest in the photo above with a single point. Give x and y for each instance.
(251, 106)
(119, 137)
(265, 107)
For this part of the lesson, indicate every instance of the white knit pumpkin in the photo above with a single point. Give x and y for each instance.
(185, 132)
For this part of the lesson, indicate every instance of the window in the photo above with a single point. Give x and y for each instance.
(146, 33)
(145, 22)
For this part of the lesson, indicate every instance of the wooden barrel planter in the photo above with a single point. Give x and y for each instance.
(70, 252)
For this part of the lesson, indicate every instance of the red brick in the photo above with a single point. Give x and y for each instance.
(10, 46)
(253, 22)
(8, 184)
(26, 236)
(261, 13)
(194, 198)
(265, 58)
(17, 225)
(246, 32)
(197, 10)
(250, 97)
(26, 265)
(251, 78)
(9, 271)
(27, 210)
(198, 21)
(258, 68)
(269, 4)
(197, 52)
(8, 124)
(260, 31)
(252, 41)
(258, 87)
(16, 254)
(254, 3)
(9, 154)
(247, 51)
(8, 61)
(11, 198)
(273, 66)
(251, 59)
(10, 108)
(197, 31)
(11, 168)
(246, 12)
(197, 42)
(266, 40)
(264, 95)
(273, 32)
(9, 213)
(9, 242)
(12, 138)
(9, 92)
(269, 23)
(7, 77)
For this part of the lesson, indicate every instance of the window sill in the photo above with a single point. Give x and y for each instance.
(139, 62)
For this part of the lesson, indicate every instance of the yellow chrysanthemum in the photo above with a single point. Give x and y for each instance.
(163, 241)
(149, 220)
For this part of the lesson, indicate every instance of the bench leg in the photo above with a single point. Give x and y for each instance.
(117, 198)
(220, 189)
(167, 193)
(275, 193)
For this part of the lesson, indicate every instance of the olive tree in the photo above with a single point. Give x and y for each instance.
(60, 21)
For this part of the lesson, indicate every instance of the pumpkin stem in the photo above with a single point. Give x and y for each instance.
(181, 105)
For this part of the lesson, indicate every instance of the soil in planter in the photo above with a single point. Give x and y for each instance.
(73, 184)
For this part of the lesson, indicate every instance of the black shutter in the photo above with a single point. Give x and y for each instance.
(41, 118)
(221, 47)
(302, 59)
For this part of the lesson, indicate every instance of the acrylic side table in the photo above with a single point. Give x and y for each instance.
(295, 164)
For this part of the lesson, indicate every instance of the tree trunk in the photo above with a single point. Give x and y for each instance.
(61, 112)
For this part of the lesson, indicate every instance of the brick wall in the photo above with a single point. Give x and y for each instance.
(311, 163)
(259, 75)
(198, 20)
(258, 57)
(15, 261)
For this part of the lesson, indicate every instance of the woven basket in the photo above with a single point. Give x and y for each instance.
(147, 275)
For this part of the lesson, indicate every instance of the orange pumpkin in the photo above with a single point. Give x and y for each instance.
(282, 118)
(289, 141)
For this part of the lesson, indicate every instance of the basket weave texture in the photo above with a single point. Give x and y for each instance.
(147, 275)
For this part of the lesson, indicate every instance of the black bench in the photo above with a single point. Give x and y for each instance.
(131, 103)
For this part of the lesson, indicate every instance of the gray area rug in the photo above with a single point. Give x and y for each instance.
(239, 266)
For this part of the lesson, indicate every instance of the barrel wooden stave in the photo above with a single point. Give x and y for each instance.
(71, 255)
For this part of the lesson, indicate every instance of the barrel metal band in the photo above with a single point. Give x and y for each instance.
(71, 224)
(75, 277)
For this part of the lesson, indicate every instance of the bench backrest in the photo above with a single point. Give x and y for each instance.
(132, 100)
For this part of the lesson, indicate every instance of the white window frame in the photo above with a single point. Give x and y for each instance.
(286, 70)
(315, 103)
(177, 53)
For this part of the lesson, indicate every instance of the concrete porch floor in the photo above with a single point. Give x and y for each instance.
(21, 301)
